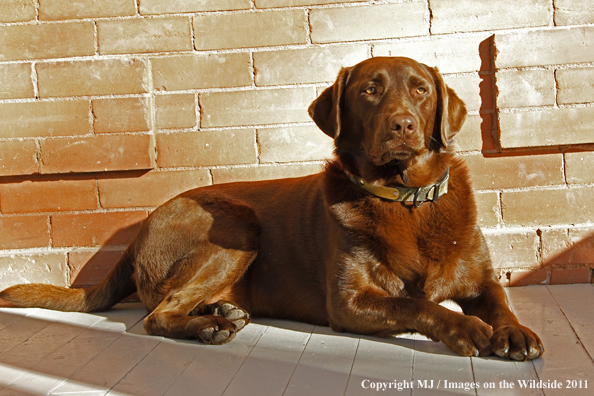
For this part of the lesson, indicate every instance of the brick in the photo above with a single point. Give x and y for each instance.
(311, 65)
(170, 7)
(181, 72)
(41, 119)
(470, 136)
(206, 148)
(256, 107)
(17, 10)
(175, 111)
(469, 90)
(91, 229)
(546, 127)
(451, 16)
(16, 81)
(141, 35)
(555, 241)
(571, 12)
(575, 85)
(515, 171)
(18, 157)
(46, 41)
(512, 249)
(96, 154)
(529, 278)
(330, 25)
(268, 172)
(33, 268)
(565, 206)
(545, 47)
(567, 276)
(148, 190)
(562, 247)
(121, 115)
(96, 77)
(41, 194)
(578, 167)
(89, 266)
(24, 232)
(488, 209)
(289, 3)
(525, 88)
(55, 10)
(304, 143)
(448, 54)
(258, 29)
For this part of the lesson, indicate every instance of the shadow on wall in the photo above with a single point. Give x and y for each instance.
(89, 266)
(572, 264)
(487, 92)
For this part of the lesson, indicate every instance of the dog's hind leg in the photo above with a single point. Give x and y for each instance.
(189, 312)
(192, 253)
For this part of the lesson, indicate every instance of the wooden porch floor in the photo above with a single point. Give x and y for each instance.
(51, 353)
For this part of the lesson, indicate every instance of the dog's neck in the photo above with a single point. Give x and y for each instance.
(423, 170)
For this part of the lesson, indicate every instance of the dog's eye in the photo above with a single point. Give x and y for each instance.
(370, 91)
(421, 91)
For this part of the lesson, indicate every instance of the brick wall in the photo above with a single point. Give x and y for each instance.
(108, 108)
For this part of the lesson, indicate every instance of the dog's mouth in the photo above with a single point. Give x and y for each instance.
(401, 152)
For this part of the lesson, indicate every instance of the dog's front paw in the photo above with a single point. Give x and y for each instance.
(516, 343)
(468, 336)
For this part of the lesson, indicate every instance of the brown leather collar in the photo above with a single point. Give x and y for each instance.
(414, 195)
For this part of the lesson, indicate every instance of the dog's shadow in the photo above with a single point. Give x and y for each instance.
(415, 342)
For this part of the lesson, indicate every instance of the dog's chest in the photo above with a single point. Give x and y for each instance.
(422, 251)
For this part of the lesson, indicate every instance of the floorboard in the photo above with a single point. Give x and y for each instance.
(272, 360)
(577, 304)
(325, 364)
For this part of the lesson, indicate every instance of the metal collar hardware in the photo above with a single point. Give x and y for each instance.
(414, 195)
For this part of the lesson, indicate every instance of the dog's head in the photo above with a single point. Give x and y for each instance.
(388, 113)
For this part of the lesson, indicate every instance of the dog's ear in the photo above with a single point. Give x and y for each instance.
(325, 110)
(451, 111)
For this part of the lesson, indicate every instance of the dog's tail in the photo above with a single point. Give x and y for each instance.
(117, 285)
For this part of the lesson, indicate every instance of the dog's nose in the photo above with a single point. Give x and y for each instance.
(404, 125)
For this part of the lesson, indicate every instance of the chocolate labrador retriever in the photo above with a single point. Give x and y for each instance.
(371, 245)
